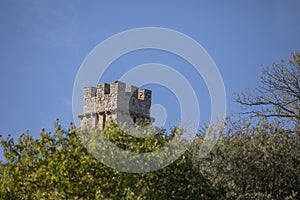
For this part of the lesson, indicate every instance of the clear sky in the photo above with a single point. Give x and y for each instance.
(43, 44)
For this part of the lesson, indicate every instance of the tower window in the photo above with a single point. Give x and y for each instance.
(134, 119)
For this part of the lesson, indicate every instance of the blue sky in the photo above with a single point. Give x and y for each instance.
(43, 44)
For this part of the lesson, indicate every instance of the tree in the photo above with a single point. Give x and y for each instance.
(255, 161)
(259, 159)
(279, 95)
(55, 166)
(58, 166)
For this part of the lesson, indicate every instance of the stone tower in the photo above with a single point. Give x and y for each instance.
(115, 101)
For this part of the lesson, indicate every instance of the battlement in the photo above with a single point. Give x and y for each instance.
(121, 102)
(116, 88)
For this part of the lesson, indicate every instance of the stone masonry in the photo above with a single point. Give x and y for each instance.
(115, 101)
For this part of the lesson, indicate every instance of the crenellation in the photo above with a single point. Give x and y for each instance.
(103, 89)
(89, 92)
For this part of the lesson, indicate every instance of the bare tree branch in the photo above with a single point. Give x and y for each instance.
(279, 94)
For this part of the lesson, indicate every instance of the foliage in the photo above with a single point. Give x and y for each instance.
(57, 166)
(255, 161)
(250, 161)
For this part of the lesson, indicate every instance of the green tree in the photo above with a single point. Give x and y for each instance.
(55, 166)
(58, 166)
(255, 161)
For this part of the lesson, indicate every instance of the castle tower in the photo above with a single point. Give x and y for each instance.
(115, 101)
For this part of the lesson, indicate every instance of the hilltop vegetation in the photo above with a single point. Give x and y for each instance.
(257, 155)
